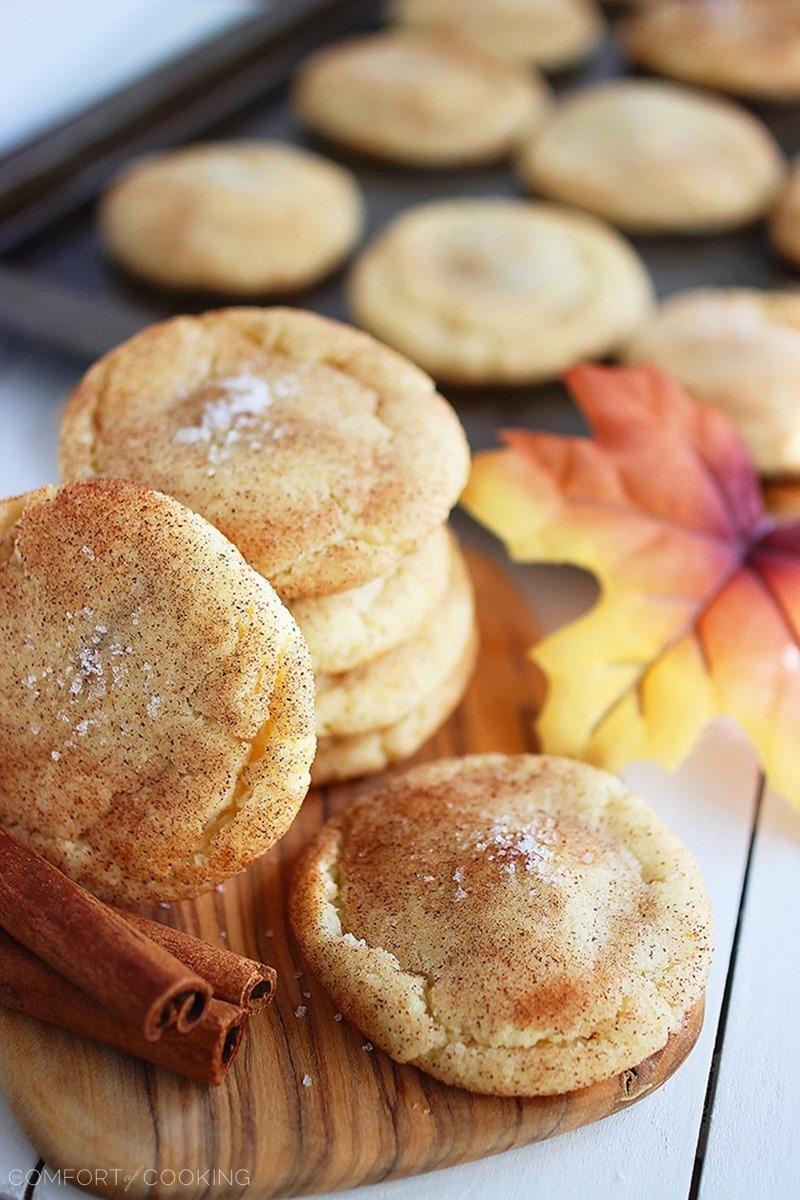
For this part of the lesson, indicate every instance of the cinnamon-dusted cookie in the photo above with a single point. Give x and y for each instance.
(513, 925)
(238, 218)
(384, 690)
(351, 628)
(738, 349)
(428, 101)
(156, 698)
(324, 456)
(750, 47)
(340, 758)
(551, 34)
(496, 291)
(653, 156)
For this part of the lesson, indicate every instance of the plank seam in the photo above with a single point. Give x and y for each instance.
(719, 1041)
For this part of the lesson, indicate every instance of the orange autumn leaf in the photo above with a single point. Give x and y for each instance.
(699, 614)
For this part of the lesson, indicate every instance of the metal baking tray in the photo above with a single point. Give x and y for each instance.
(56, 286)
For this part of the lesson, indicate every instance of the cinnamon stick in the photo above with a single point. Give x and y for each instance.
(137, 981)
(205, 1053)
(241, 981)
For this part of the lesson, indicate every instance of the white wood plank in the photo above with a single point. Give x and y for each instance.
(753, 1147)
(648, 1150)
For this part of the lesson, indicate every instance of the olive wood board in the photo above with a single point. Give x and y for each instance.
(364, 1118)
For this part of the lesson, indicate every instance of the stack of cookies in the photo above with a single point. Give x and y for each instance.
(332, 463)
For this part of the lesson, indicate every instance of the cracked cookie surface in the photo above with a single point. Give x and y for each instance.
(516, 925)
(156, 698)
(323, 455)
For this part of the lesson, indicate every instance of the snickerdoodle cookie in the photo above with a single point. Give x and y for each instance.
(427, 101)
(156, 698)
(384, 690)
(324, 456)
(654, 156)
(238, 218)
(512, 925)
(749, 47)
(738, 349)
(499, 291)
(785, 220)
(350, 628)
(371, 752)
(546, 33)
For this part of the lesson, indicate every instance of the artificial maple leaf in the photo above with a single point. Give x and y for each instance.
(699, 614)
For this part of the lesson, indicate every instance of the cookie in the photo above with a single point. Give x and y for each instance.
(324, 456)
(750, 48)
(383, 691)
(371, 752)
(237, 218)
(425, 101)
(782, 499)
(738, 349)
(350, 628)
(551, 34)
(496, 291)
(652, 157)
(512, 925)
(156, 698)
(785, 219)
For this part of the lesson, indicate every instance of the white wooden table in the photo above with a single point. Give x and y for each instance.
(726, 1126)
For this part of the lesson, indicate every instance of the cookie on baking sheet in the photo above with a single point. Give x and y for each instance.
(497, 291)
(654, 156)
(738, 349)
(383, 691)
(371, 752)
(551, 34)
(238, 218)
(750, 47)
(513, 925)
(785, 219)
(351, 628)
(427, 101)
(156, 698)
(324, 456)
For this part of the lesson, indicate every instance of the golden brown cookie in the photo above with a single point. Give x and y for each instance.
(371, 752)
(351, 628)
(381, 692)
(497, 291)
(156, 698)
(238, 218)
(427, 101)
(513, 925)
(552, 34)
(324, 456)
(738, 349)
(652, 156)
(749, 47)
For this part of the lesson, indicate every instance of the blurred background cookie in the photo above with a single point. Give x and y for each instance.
(238, 218)
(426, 101)
(513, 925)
(551, 34)
(323, 455)
(654, 156)
(785, 219)
(157, 698)
(748, 47)
(738, 349)
(499, 291)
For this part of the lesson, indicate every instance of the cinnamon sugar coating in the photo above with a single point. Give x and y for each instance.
(514, 925)
(156, 698)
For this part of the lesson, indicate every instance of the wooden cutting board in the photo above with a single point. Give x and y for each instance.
(364, 1118)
